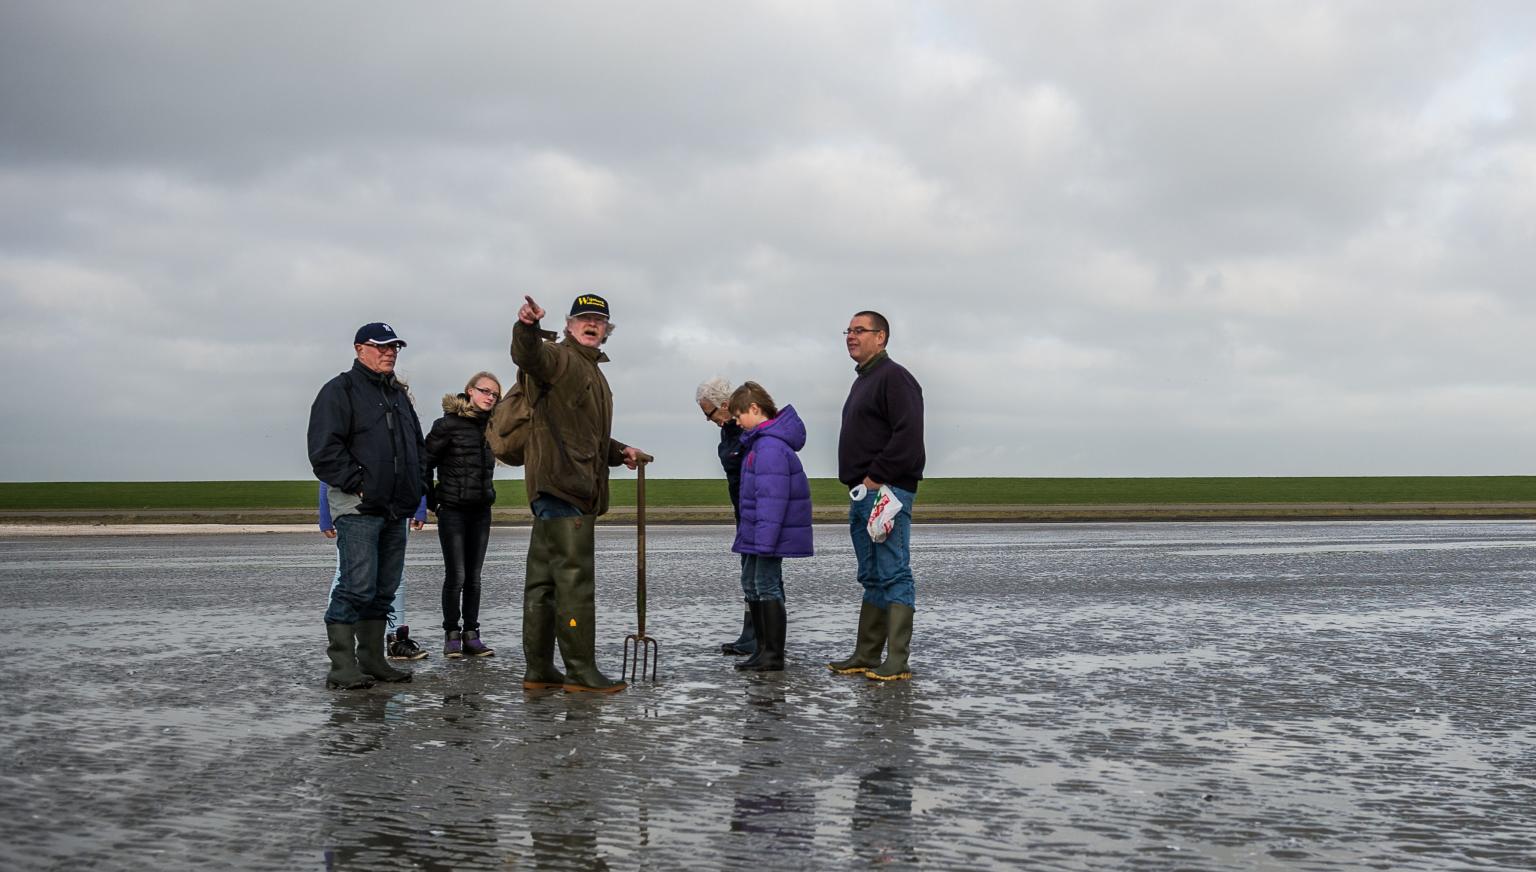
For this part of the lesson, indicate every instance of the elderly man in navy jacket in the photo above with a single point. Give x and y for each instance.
(365, 441)
(881, 443)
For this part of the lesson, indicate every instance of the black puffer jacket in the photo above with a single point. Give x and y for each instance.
(461, 458)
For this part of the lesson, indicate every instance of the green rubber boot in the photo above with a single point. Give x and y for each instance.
(539, 614)
(898, 641)
(572, 542)
(866, 653)
(342, 650)
(370, 652)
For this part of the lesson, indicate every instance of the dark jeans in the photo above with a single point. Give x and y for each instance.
(762, 578)
(370, 552)
(463, 532)
(551, 508)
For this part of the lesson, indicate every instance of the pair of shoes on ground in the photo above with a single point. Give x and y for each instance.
(357, 653)
(400, 646)
(457, 645)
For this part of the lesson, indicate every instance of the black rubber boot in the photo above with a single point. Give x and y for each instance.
(755, 612)
(746, 643)
(370, 652)
(872, 632)
(770, 641)
(898, 641)
(539, 614)
(571, 546)
(342, 650)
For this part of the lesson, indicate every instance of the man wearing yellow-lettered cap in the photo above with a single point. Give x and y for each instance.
(570, 449)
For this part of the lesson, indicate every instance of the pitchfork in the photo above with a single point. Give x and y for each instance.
(640, 650)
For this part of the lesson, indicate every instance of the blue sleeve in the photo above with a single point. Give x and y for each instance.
(325, 509)
(421, 511)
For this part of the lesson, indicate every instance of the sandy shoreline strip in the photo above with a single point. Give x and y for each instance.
(251, 521)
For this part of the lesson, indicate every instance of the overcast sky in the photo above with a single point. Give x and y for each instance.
(1113, 238)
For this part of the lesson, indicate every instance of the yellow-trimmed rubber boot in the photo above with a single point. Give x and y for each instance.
(571, 545)
(897, 642)
(866, 653)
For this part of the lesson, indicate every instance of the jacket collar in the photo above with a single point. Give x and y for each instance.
(386, 379)
(879, 358)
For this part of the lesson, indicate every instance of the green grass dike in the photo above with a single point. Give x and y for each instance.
(943, 499)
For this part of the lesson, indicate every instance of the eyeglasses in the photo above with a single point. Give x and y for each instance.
(495, 395)
(860, 331)
(383, 349)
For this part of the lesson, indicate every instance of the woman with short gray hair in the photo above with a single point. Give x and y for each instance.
(713, 396)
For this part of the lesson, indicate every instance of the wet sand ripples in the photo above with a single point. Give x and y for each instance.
(1161, 696)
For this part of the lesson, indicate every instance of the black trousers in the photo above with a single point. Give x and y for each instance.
(463, 532)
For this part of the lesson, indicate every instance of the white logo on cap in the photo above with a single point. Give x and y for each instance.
(387, 327)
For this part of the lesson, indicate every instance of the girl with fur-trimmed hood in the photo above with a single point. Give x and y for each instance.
(464, 467)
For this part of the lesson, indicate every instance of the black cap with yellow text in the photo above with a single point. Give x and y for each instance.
(589, 304)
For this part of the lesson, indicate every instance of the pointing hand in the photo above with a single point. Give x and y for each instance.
(530, 313)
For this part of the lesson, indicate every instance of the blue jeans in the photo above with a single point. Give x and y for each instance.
(548, 508)
(762, 578)
(884, 568)
(397, 609)
(371, 551)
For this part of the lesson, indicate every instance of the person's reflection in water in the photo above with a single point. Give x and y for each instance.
(568, 810)
(564, 834)
(381, 842)
(358, 723)
(882, 810)
(769, 802)
(361, 829)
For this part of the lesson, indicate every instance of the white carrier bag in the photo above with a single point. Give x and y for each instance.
(882, 518)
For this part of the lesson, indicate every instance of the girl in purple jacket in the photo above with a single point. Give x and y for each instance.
(775, 515)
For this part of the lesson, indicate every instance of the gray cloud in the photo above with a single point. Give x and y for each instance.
(1190, 238)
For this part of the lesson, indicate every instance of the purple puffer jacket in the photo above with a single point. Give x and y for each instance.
(775, 494)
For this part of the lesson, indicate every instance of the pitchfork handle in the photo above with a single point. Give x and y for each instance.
(641, 459)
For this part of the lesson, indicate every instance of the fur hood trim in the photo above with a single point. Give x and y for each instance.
(459, 404)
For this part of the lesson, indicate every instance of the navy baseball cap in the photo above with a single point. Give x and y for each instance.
(377, 333)
(589, 304)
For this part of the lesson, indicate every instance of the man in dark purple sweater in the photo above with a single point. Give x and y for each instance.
(881, 443)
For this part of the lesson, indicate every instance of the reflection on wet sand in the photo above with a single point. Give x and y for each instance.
(769, 798)
(1203, 697)
(882, 825)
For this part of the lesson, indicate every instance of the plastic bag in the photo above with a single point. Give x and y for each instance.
(882, 517)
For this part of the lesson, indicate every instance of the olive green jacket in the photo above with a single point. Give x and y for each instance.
(571, 445)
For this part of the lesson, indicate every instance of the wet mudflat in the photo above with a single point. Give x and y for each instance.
(1168, 696)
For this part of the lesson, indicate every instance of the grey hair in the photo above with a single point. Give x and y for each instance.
(715, 391)
(607, 334)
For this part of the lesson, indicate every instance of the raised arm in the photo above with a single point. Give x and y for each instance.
(530, 349)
